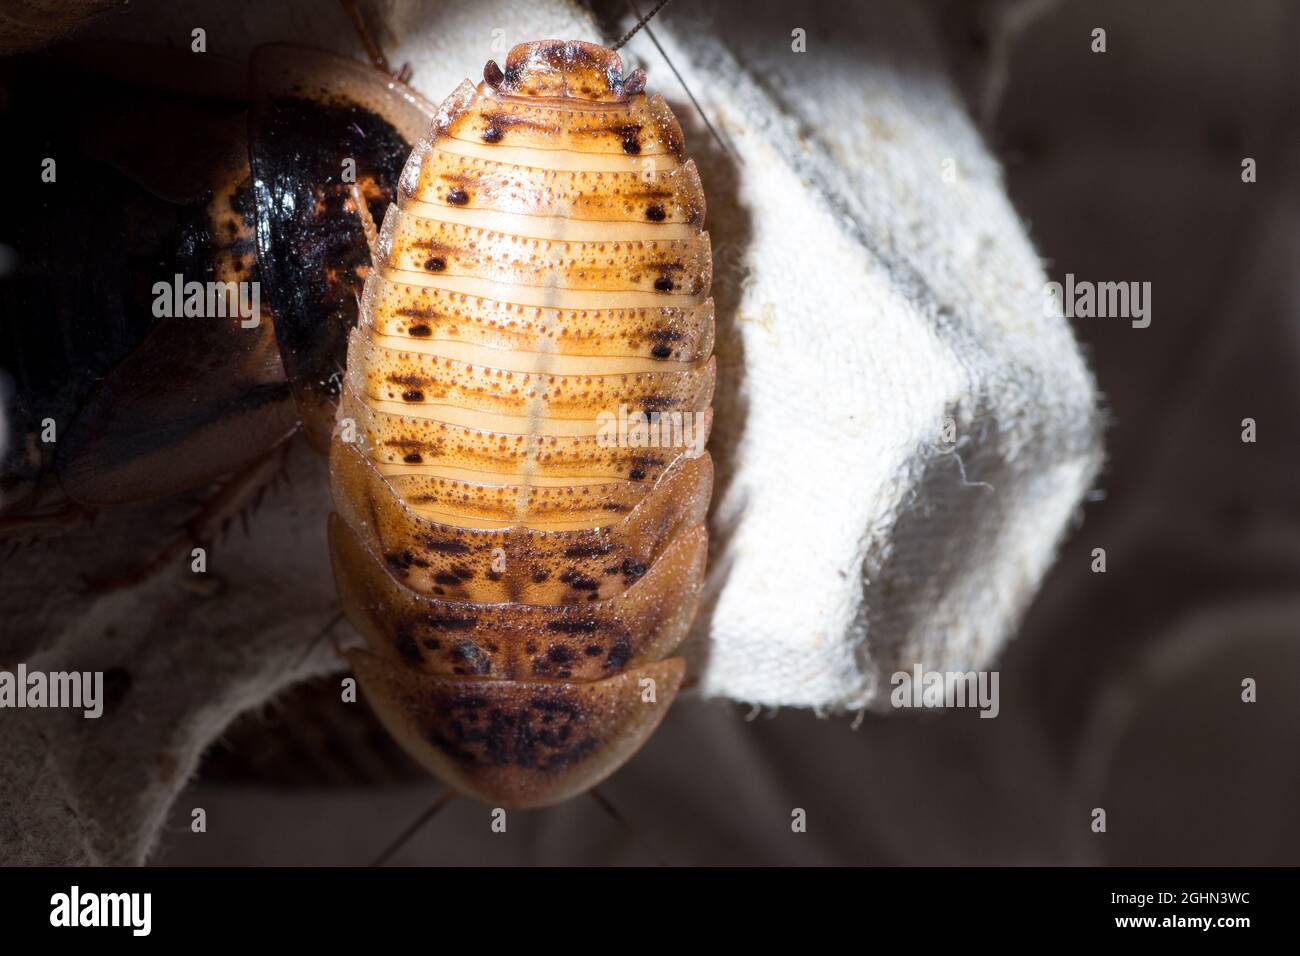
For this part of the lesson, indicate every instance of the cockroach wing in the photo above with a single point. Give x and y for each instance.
(519, 474)
(324, 131)
(149, 395)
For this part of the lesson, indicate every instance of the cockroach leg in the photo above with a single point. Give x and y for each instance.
(38, 514)
(414, 828)
(367, 221)
(374, 51)
(236, 498)
(604, 803)
(326, 631)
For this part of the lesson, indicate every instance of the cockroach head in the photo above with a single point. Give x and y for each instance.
(564, 69)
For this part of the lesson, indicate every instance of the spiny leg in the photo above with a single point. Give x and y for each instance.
(367, 222)
(235, 499)
(374, 51)
(37, 512)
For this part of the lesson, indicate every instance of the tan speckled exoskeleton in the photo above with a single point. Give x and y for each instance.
(520, 579)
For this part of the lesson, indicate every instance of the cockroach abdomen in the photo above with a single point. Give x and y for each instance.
(521, 500)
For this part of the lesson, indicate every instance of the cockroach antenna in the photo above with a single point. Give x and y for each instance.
(293, 664)
(641, 21)
(605, 804)
(404, 837)
(645, 22)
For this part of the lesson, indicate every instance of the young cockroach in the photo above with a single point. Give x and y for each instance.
(520, 575)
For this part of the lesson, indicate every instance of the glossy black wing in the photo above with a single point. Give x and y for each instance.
(312, 113)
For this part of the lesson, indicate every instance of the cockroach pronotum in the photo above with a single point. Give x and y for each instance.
(521, 580)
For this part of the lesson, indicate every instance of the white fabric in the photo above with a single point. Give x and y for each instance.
(873, 298)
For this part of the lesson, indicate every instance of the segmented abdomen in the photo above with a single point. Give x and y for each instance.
(519, 469)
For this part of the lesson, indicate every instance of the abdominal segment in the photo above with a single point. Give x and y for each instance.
(519, 469)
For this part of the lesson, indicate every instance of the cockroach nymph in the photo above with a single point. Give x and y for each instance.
(519, 576)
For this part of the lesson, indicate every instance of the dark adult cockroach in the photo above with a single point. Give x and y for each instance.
(520, 580)
(237, 178)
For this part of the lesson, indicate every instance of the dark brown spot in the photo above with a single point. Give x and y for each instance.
(619, 655)
(663, 284)
(492, 135)
(418, 331)
(492, 74)
(630, 145)
(458, 197)
(413, 458)
(452, 623)
(407, 647)
(559, 654)
(401, 561)
(450, 580)
(413, 395)
(435, 263)
(572, 627)
(637, 474)
(447, 547)
(661, 351)
(587, 550)
(655, 213)
(633, 569)
(540, 576)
